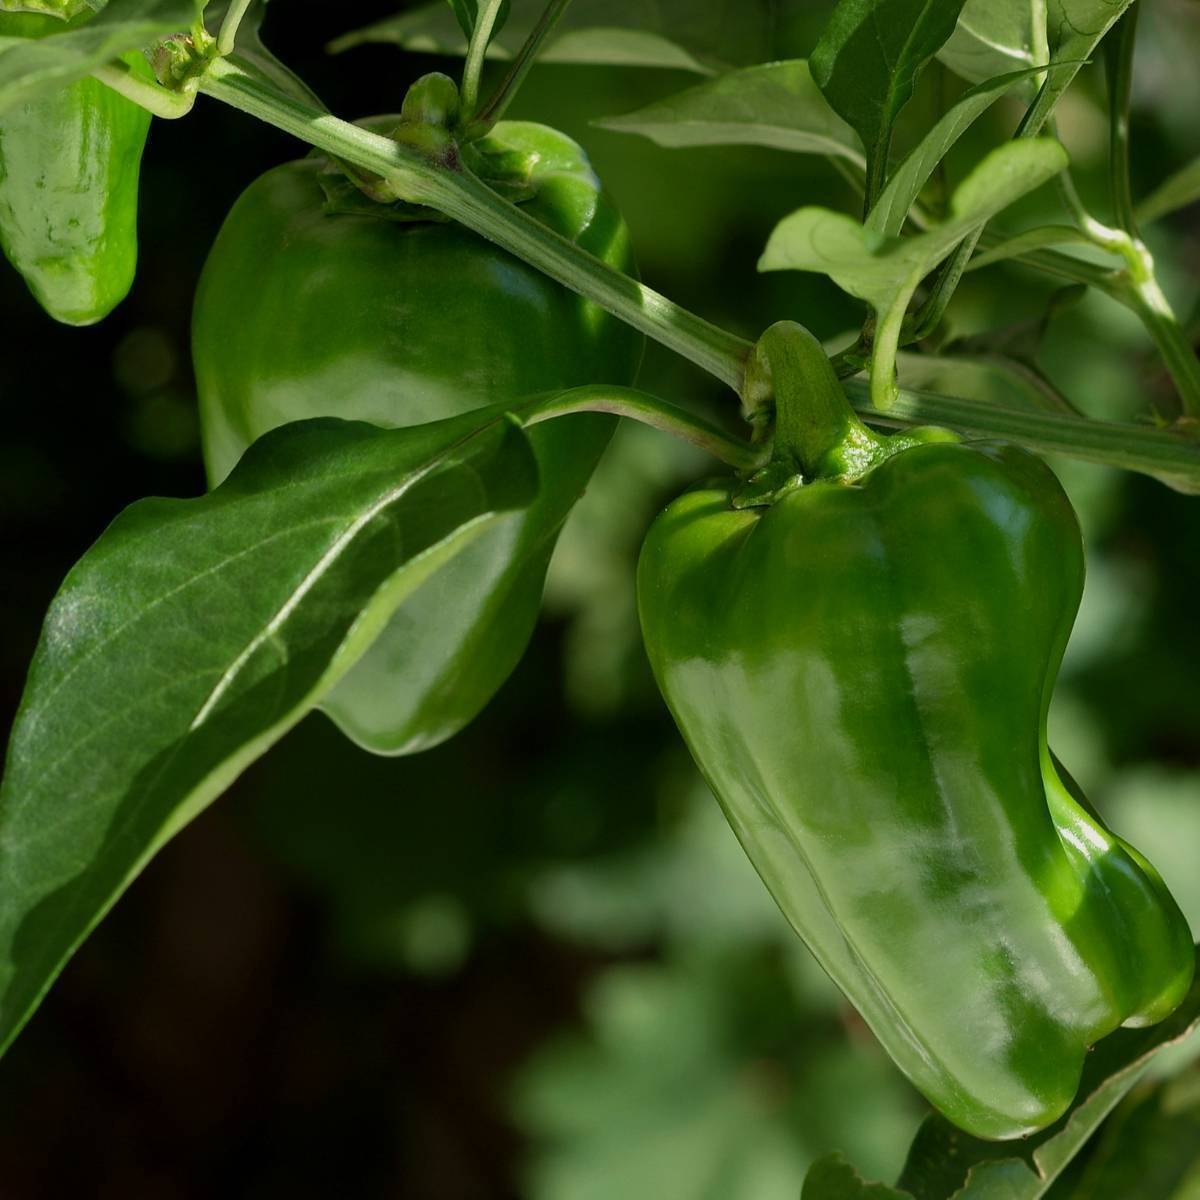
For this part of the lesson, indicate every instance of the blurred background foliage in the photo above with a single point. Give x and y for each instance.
(534, 962)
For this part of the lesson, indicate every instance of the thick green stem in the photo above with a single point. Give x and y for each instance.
(648, 410)
(1158, 452)
(1153, 451)
(460, 195)
(150, 96)
(469, 200)
(226, 81)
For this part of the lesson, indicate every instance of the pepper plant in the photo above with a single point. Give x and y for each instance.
(412, 346)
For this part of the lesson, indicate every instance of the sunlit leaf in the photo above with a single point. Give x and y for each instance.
(195, 633)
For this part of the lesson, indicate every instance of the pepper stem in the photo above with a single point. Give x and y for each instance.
(649, 410)
(815, 427)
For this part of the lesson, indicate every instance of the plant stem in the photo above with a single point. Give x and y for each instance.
(227, 37)
(1153, 451)
(460, 195)
(226, 81)
(159, 100)
(649, 410)
(469, 200)
(930, 314)
(485, 27)
(1137, 288)
(1158, 452)
(1172, 343)
(1120, 87)
(483, 121)
(877, 167)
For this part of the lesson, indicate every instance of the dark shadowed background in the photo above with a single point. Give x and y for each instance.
(533, 962)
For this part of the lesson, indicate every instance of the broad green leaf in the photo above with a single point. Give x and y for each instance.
(1032, 239)
(994, 37)
(706, 38)
(885, 272)
(52, 62)
(833, 1178)
(1073, 30)
(892, 207)
(194, 633)
(1180, 190)
(775, 105)
(868, 59)
(946, 1164)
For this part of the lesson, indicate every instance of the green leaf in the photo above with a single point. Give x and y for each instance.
(892, 207)
(1073, 30)
(1030, 239)
(52, 62)
(868, 60)
(1180, 190)
(775, 105)
(885, 272)
(194, 633)
(706, 38)
(994, 37)
(946, 1164)
(833, 1178)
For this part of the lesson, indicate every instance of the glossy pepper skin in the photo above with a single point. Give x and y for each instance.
(69, 166)
(303, 313)
(862, 672)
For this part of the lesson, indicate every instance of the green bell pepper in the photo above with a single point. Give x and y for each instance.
(861, 663)
(306, 311)
(69, 166)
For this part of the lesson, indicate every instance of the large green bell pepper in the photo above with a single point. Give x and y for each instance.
(303, 312)
(69, 166)
(861, 667)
